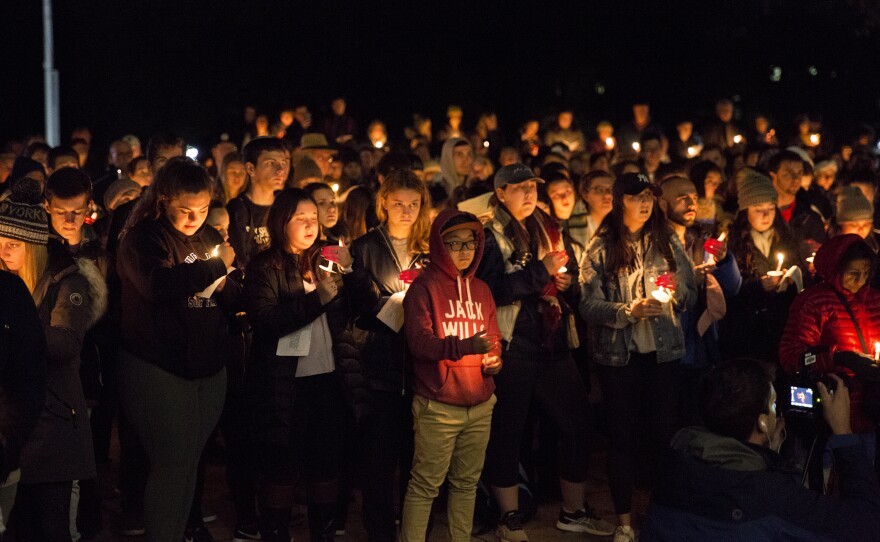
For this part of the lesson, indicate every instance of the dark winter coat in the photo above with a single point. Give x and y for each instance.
(819, 318)
(755, 318)
(375, 278)
(70, 296)
(22, 369)
(720, 489)
(276, 305)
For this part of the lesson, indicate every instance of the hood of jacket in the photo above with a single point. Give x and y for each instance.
(61, 265)
(440, 256)
(827, 261)
(716, 450)
(447, 163)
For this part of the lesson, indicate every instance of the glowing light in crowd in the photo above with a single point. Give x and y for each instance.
(562, 269)
(636, 146)
(738, 138)
(692, 151)
(379, 144)
(876, 351)
(335, 187)
(609, 142)
(486, 144)
(813, 71)
(215, 251)
(775, 73)
(815, 139)
(192, 153)
(779, 258)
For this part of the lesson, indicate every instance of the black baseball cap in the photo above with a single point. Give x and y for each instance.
(515, 174)
(633, 184)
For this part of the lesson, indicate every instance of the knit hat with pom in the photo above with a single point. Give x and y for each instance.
(22, 215)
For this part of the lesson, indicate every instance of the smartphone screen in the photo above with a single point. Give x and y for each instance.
(802, 397)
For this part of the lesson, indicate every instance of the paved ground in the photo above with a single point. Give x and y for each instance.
(541, 528)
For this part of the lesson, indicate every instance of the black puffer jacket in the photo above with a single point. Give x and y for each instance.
(276, 305)
(375, 278)
(22, 369)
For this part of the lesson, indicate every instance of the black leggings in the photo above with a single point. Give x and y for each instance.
(640, 405)
(554, 386)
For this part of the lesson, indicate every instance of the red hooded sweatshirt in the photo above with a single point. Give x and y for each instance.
(443, 309)
(817, 317)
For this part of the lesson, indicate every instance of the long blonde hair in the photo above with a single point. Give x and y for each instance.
(404, 179)
(36, 259)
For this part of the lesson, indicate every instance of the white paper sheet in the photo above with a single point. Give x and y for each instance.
(297, 343)
(392, 312)
(209, 291)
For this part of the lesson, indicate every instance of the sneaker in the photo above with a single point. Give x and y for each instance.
(132, 524)
(624, 533)
(246, 533)
(510, 528)
(584, 521)
(199, 534)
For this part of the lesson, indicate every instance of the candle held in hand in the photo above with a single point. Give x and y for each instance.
(779, 258)
(877, 351)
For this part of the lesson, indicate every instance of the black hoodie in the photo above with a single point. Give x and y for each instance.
(163, 321)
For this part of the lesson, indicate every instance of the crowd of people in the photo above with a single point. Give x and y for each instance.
(462, 312)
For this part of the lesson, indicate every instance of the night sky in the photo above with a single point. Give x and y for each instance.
(140, 66)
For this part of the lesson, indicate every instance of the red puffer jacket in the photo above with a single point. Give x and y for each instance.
(817, 317)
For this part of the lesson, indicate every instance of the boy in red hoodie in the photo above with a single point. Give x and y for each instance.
(453, 341)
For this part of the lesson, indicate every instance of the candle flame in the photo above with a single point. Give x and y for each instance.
(335, 187)
(692, 151)
(722, 236)
(563, 269)
(609, 142)
(636, 146)
(737, 139)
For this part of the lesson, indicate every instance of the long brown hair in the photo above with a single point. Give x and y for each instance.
(404, 179)
(742, 244)
(179, 176)
(282, 210)
(355, 209)
(619, 254)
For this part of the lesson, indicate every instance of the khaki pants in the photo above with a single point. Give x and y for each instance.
(449, 441)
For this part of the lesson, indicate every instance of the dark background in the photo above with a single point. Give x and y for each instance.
(140, 66)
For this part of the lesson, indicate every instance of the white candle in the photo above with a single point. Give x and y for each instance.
(722, 236)
(779, 257)
(661, 295)
(877, 351)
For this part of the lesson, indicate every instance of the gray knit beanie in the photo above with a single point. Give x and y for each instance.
(853, 206)
(753, 188)
(22, 215)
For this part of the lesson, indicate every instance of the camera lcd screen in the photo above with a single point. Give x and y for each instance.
(802, 397)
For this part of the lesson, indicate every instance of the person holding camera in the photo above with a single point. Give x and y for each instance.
(840, 314)
(725, 481)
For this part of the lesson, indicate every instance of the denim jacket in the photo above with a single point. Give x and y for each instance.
(606, 304)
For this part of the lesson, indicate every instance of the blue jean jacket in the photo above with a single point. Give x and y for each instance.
(605, 303)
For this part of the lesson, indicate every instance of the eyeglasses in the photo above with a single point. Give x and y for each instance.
(601, 191)
(459, 246)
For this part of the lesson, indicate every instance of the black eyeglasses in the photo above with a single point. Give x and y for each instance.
(458, 246)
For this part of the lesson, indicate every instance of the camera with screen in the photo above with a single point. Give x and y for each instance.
(802, 399)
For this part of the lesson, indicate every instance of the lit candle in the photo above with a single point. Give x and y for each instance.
(877, 351)
(486, 144)
(779, 258)
(814, 139)
(737, 139)
(636, 146)
(335, 187)
(692, 151)
(379, 144)
(562, 269)
(722, 236)
(609, 142)
(661, 295)
(215, 251)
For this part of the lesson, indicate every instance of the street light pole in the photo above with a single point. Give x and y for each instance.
(50, 80)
